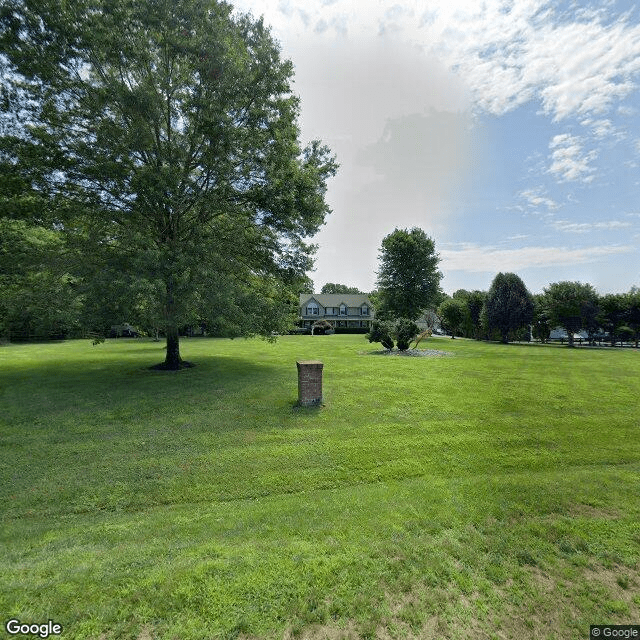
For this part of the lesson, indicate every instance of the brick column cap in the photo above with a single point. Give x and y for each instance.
(309, 363)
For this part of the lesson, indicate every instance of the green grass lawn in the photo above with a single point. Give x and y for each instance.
(491, 494)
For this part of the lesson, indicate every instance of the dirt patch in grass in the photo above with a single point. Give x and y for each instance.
(589, 511)
(323, 632)
(547, 608)
(145, 634)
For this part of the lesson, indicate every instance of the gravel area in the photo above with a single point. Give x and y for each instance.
(412, 353)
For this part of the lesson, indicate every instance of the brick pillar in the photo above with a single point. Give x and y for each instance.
(309, 382)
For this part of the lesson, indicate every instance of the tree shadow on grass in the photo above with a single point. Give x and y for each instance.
(96, 380)
(305, 410)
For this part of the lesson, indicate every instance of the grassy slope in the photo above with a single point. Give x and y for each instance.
(493, 493)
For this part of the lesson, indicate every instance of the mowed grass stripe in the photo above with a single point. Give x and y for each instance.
(427, 491)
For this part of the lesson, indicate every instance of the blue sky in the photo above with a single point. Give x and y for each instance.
(509, 130)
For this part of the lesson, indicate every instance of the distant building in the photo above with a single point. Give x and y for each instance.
(560, 334)
(341, 310)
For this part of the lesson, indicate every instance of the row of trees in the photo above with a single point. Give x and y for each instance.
(509, 312)
(409, 288)
(48, 291)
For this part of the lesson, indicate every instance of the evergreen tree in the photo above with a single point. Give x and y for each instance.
(509, 305)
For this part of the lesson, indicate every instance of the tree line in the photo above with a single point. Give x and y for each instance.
(408, 288)
(508, 311)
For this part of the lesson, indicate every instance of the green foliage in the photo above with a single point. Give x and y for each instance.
(331, 287)
(613, 313)
(405, 331)
(39, 299)
(321, 326)
(475, 302)
(381, 331)
(374, 298)
(509, 305)
(163, 137)
(633, 313)
(408, 278)
(453, 313)
(541, 322)
(570, 305)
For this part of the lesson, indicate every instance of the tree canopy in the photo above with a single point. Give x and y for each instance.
(508, 305)
(452, 312)
(569, 305)
(333, 287)
(408, 278)
(161, 138)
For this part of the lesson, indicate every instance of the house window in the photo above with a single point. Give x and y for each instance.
(343, 310)
(364, 310)
(313, 309)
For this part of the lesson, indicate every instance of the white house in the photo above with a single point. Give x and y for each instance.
(341, 310)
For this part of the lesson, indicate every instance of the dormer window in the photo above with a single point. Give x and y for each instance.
(343, 309)
(364, 310)
(313, 309)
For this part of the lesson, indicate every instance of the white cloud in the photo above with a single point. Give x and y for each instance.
(586, 227)
(626, 110)
(506, 52)
(604, 129)
(474, 258)
(536, 199)
(568, 162)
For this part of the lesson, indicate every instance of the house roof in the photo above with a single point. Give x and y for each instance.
(335, 299)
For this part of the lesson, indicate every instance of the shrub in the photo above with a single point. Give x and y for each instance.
(381, 332)
(406, 330)
(320, 327)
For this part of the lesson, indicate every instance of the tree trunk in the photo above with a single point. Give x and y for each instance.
(570, 338)
(173, 359)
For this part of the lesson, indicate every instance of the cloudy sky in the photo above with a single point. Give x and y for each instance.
(509, 130)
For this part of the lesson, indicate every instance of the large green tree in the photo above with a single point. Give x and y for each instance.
(408, 278)
(509, 305)
(164, 135)
(570, 305)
